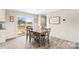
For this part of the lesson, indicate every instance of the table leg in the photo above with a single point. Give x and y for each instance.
(26, 36)
(40, 41)
(29, 37)
(48, 39)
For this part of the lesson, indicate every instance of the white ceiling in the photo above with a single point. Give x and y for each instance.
(37, 11)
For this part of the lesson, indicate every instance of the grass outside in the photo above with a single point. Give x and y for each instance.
(21, 29)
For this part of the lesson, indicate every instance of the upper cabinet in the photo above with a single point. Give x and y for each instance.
(2, 14)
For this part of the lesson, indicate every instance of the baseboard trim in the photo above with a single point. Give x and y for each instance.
(11, 38)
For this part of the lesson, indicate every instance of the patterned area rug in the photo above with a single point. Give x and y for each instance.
(56, 43)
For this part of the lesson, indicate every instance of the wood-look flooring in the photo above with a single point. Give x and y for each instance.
(21, 43)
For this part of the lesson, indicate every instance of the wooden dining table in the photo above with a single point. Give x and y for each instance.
(37, 33)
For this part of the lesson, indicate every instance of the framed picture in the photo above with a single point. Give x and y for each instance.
(11, 18)
(54, 20)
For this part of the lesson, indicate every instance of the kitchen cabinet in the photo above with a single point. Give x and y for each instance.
(2, 15)
(2, 32)
(2, 36)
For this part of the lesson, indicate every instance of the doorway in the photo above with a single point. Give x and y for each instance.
(24, 23)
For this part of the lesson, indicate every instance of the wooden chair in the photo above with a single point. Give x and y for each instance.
(28, 33)
(45, 36)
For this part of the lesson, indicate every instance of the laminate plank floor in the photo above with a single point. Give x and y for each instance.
(20, 43)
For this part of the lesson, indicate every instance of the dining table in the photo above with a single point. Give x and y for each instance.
(37, 34)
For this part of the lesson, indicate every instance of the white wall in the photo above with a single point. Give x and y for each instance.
(11, 27)
(67, 30)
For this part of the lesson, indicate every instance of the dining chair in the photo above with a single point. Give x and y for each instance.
(48, 35)
(45, 36)
(28, 33)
